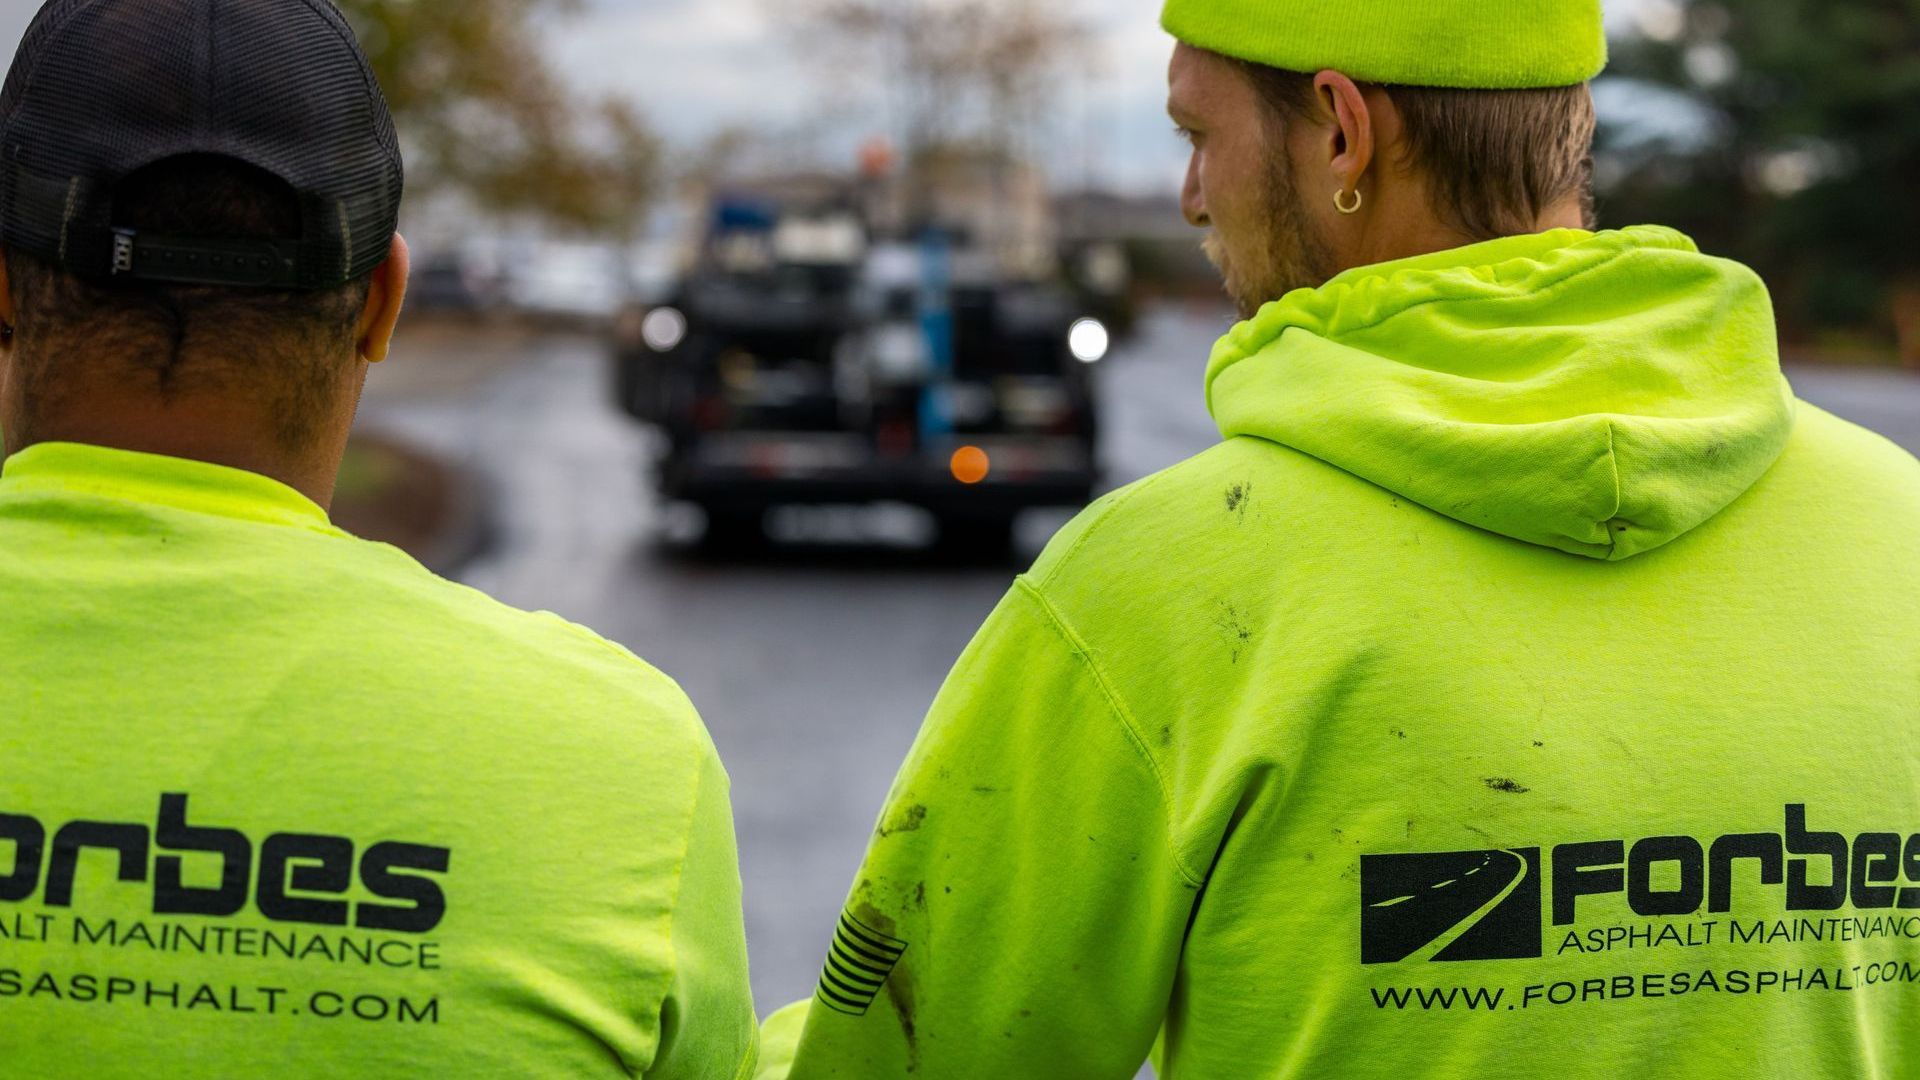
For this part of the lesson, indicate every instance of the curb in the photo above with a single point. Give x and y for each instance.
(435, 510)
(468, 529)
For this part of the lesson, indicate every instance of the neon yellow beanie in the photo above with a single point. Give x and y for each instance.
(1470, 44)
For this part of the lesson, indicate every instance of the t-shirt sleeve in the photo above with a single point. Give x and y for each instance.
(707, 1025)
(1021, 904)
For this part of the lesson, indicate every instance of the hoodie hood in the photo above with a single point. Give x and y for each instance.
(1599, 393)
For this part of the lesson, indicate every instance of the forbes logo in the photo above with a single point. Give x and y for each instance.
(1485, 905)
(1454, 905)
(303, 877)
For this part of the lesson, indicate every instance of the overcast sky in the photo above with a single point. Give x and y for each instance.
(697, 66)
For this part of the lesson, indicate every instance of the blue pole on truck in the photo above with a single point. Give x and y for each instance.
(936, 322)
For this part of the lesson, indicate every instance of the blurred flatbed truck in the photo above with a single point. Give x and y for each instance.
(799, 363)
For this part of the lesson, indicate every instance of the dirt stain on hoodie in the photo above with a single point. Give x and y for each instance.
(1234, 627)
(1237, 498)
(899, 984)
(907, 819)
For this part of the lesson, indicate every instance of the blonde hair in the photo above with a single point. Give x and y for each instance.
(1495, 159)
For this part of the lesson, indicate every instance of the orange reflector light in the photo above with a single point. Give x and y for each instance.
(970, 465)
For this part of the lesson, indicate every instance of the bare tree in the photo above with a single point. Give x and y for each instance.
(482, 112)
(951, 71)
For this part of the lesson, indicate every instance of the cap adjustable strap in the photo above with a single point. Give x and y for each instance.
(138, 256)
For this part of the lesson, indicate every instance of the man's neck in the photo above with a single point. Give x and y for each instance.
(1409, 235)
(204, 433)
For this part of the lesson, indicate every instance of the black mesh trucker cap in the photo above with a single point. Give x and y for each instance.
(103, 88)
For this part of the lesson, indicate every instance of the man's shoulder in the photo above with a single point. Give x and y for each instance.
(1860, 450)
(459, 639)
(1839, 485)
(1233, 497)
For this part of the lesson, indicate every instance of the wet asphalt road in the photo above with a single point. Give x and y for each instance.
(812, 666)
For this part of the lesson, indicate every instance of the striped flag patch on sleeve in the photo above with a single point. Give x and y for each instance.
(858, 963)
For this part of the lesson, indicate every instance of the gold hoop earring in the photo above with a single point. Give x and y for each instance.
(1340, 204)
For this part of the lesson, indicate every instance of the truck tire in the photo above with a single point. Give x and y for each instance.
(734, 530)
(975, 538)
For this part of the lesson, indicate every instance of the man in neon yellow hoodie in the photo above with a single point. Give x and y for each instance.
(1528, 684)
(276, 801)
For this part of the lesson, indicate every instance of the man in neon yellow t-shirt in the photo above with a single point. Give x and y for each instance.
(275, 801)
(1527, 686)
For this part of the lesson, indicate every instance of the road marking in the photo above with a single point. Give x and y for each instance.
(1440, 944)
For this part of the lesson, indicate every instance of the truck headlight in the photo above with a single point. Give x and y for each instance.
(1088, 340)
(663, 329)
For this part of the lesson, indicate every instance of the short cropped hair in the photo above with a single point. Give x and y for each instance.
(284, 348)
(1496, 159)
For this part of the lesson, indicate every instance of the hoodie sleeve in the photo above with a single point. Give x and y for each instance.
(1021, 908)
(707, 1028)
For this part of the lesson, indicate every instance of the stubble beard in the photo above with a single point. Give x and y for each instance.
(1282, 252)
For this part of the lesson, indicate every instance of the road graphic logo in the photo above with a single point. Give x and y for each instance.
(1455, 905)
(858, 964)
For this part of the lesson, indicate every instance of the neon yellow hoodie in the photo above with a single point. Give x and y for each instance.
(278, 802)
(1527, 686)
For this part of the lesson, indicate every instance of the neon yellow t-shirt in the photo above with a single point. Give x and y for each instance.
(277, 801)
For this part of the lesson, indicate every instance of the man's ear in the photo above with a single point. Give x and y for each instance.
(384, 300)
(1349, 147)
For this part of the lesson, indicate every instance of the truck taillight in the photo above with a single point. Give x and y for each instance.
(970, 465)
(710, 414)
(894, 439)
